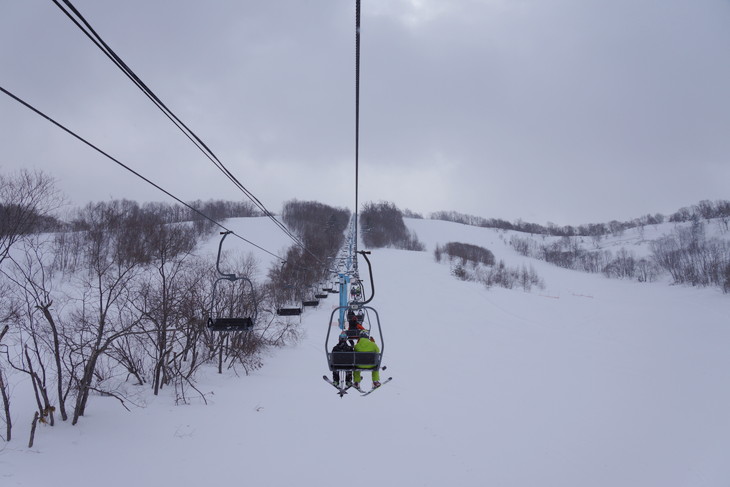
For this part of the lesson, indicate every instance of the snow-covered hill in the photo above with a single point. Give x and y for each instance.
(588, 382)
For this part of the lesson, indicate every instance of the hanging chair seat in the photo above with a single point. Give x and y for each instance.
(289, 311)
(353, 360)
(312, 302)
(230, 324)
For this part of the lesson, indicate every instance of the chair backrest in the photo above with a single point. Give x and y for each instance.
(289, 311)
(344, 360)
(230, 324)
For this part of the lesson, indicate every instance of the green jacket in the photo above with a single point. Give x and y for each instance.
(366, 345)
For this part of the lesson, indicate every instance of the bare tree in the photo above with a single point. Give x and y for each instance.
(26, 201)
(4, 394)
(35, 281)
(159, 296)
(112, 257)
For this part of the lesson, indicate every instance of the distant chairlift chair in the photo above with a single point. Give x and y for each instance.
(289, 309)
(320, 292)
(230, 323)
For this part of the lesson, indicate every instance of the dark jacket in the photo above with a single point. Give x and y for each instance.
(342, 346)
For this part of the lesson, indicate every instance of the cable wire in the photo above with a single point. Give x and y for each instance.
(357, 116)
(72, 13)
(70, 132)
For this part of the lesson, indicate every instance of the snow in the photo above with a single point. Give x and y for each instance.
(588, 382)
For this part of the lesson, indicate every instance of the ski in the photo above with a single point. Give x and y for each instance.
(342, 391)
(365, 393)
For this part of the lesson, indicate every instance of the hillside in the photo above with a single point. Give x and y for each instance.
(588, 382)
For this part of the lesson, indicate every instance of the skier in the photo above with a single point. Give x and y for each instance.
(351, 319)
(367, 344)
(355, 293)
(342, 346)
(354, 326)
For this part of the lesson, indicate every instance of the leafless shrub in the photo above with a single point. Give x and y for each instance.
(465, 253)
(692, 258)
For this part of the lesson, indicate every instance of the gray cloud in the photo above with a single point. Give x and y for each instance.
(563, 110)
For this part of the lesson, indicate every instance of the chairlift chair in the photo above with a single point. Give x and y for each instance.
(321, 293)
(230, 323)
(290, 308)
(351, 361)
(318, 293)
(289, 311)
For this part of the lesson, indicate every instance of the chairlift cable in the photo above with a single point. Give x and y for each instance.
(357, 114)
(99, 42)
(70, 132)
(342, 363)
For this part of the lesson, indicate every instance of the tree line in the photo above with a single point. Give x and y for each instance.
(703, 210)
(568, 253)
(321, 230)
(687, 254)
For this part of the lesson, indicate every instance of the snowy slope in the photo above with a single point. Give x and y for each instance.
(589, 382)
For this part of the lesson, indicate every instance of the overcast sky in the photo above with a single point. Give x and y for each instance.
(564, 111)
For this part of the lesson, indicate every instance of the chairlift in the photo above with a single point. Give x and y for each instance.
(351, 361)
(320, 292)
(356, 291)
(230, 323)
(289, 311)
(290, 307)
(311, 300)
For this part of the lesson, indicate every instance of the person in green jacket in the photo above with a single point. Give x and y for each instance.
(366, 344)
